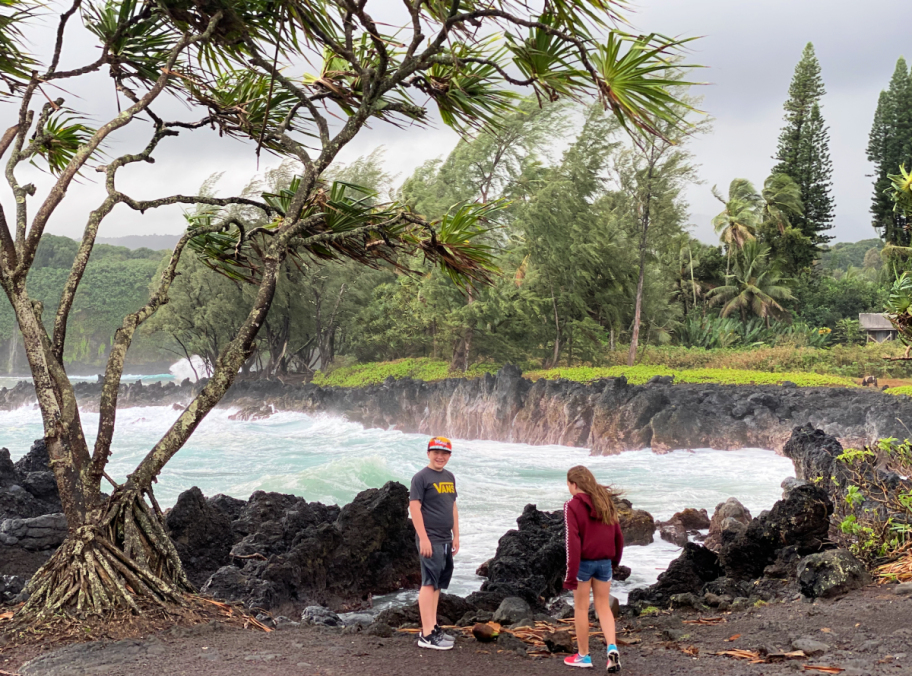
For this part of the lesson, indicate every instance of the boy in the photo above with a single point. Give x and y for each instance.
(432, 505)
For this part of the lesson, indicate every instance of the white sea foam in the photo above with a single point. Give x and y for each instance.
(328, 459)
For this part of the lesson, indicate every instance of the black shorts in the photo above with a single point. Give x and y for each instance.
(437, 570)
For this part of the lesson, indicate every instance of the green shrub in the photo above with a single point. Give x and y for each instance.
(429, 370)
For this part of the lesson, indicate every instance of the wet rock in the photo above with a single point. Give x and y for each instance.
(637, 525)
(201, 533)
(512, 610)
(831, 573)
(253, 413)
(691, 519)
(558, 642)
(730, 515)
(688, 573)
(673, 533)
(318, 615)
(802, 520)
(621, 573)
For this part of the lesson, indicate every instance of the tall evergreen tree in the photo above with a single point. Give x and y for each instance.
(889, 147)
(804, 154)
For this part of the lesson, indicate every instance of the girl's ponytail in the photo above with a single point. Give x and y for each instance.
(602, 496)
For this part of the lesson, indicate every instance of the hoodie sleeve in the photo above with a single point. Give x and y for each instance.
(618, 546)
(572, 538)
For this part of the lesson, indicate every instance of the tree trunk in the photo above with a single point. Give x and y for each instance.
(120, 558)
(638, 309)
(557, 330)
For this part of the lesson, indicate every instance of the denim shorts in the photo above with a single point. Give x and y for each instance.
(600, 570)
(437, 569)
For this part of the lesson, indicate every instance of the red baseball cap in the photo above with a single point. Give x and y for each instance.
(440, 444)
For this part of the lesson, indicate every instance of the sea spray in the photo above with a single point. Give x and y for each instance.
(330, 460)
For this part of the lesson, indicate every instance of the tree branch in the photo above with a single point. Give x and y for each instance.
(57, 193)
(123, 337)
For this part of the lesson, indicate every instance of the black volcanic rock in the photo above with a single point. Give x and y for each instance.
(27, 487)
(309, 553)
(202, 535)
(801, 521)
(694, 567)
(531, 561)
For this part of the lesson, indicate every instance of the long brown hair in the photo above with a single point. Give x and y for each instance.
(602, 496)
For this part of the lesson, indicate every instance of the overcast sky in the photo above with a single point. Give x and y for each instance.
(749, 48)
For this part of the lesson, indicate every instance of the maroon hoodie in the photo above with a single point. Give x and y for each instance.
(588, 537)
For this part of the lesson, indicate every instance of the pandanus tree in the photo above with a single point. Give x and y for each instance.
(239, 67)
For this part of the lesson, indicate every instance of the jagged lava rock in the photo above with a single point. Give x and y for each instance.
(311, 553)
(730, 515)
(694, 567)
(801, 521)
(831, 573)
(815, 456)
(531, 561)
(202, 535)
(27, 487)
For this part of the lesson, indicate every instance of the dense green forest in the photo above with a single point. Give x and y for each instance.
(116, 283)
(595, 260)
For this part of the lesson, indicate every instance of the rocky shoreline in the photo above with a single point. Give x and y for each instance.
(279, 554)
(608, 416)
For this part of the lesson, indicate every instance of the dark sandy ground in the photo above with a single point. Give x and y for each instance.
(868, 632)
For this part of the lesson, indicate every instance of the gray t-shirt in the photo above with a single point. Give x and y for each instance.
(437, 493)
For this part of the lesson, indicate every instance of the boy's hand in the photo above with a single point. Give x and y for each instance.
(455, 544)
(425, 548)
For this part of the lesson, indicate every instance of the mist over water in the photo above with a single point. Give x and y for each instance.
(330, 460)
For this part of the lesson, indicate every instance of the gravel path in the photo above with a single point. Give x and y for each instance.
(868, 632)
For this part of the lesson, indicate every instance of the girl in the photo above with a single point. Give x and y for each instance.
(594, 547)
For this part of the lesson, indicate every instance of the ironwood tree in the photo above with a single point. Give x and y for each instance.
(240, 68)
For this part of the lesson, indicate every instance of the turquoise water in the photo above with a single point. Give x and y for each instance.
(330, 460)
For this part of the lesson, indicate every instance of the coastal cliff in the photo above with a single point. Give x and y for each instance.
(608, 416)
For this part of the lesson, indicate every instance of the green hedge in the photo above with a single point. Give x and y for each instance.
(428, 370)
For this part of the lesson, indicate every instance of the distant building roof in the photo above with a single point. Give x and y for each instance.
(875, 322)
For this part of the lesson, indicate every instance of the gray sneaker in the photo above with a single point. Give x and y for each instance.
(433, 642)
(446, 638)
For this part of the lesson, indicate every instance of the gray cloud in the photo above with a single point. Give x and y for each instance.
(750, 48)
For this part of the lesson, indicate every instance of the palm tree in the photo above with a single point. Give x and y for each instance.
(755, 286)
(781, 199)
(737, 224)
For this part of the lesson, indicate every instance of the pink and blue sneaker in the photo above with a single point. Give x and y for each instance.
(584, 661)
